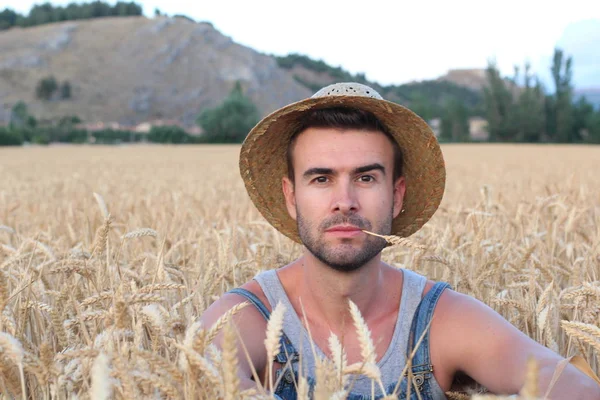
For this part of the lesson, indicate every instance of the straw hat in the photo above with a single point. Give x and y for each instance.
(263, 160)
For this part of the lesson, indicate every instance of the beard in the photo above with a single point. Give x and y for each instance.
(344, 256)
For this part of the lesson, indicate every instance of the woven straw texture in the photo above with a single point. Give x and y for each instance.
(263, 157)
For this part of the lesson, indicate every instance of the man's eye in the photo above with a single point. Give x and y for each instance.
(366, 178)
(321, 179)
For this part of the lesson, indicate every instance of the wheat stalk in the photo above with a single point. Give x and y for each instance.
(397, 241)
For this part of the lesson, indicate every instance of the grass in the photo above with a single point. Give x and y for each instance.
(99, 293)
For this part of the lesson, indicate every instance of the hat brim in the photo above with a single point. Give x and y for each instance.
(263, 161)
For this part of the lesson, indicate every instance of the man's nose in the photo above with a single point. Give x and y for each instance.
(345, 198)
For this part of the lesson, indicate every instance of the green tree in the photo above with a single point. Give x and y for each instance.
(499, 106)
(455, 121)
(231, 121)
(9, 137)
(73, 12)
(8, 19)
(46, 88)
(22, 123)
(65, 90)
(582, 119)
(19, 116)
(561, 128)
(100, 9)
(134, 9)
(593, 135)
(40, 14)
(157, 12)
(59, 14)
(530, 114)
(421, 105)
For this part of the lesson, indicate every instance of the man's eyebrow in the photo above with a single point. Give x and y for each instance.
(370, 167)
(317, 171)
(328, 171)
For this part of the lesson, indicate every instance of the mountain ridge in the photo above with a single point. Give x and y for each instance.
(134, 69)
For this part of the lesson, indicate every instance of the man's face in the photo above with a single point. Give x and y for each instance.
(343, 183)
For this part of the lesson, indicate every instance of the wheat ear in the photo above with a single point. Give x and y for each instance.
(102, 205)
(224, 319)
(13, 349)
(272, 341)
(231, 380)
(587, 333)
(101, 385)
(140, 233)
(367, 348)
(339, 357)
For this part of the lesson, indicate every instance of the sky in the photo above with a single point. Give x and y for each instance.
(394, 42)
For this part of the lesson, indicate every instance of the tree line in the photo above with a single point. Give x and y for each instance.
(228, 122)
(517, 108)
(520, 109)
(48, 13)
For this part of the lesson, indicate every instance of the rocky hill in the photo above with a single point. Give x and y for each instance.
(135, 69)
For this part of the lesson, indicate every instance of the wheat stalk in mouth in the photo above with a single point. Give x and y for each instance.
(397, 241)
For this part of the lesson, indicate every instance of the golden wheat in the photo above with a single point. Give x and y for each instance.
(92, 306)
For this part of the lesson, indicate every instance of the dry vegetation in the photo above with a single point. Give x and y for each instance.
(99, 294)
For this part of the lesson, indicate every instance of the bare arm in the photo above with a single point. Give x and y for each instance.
(481, 343)
(252, 332)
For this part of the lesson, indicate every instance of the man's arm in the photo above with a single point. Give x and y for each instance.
(475, 339)
(252, 329)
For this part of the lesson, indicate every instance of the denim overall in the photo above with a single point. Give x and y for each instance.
(422, 370)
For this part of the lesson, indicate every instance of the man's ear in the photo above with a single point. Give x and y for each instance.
(290, 198)
(399, 190)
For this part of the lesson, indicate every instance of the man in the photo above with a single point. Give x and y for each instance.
(323, 171)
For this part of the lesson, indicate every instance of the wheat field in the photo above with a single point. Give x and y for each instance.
(109, 254)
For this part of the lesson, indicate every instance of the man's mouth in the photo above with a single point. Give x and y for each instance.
(344, 231)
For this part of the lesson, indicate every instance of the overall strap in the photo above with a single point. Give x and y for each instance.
(288, 352)
(421, 361)
(252, 298)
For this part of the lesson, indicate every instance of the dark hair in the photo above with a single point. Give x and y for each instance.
(343, 118)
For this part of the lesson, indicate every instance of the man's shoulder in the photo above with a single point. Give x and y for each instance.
(229, 301)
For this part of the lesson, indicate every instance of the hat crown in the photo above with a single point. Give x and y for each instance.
(348, 89)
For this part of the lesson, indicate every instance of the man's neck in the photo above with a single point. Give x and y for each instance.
(326, 291)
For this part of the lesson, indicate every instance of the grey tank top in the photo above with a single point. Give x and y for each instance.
(393, 361)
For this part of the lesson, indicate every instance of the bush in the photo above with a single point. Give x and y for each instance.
(40, 138)
(9, 137)
(20, 117)
(111, 136)
(65, 90)
(168, 134)
(46, 87)
(74, 136)
(231, 121)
